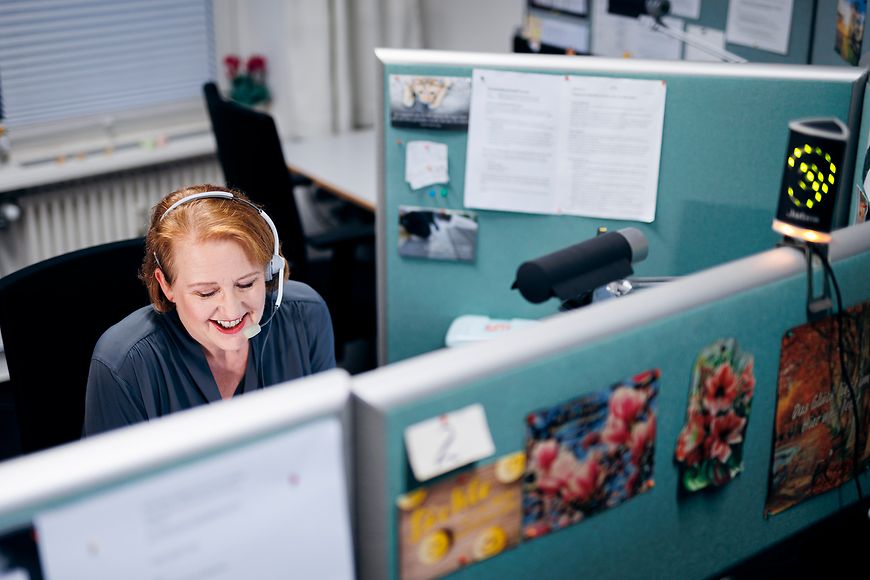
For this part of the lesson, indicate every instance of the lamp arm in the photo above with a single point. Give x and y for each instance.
(719, 53)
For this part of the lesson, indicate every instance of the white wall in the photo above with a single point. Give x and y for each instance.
(471, 25)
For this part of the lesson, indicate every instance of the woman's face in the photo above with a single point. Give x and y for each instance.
(217, 292)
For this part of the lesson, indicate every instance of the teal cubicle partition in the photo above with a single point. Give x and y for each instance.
(725, 131)
(659, 533)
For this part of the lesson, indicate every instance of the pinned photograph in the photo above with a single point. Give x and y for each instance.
(437, 234)
(814, 431)
(461, 520)
(710, 446)
(429, 102)
(850, 29)
(589, 454)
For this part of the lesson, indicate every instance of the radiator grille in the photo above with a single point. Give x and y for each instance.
(67, 217)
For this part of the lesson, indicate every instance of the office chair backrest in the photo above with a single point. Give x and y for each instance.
(250, 154)
(51, 316)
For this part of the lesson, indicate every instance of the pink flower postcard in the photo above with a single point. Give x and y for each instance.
(814, 436)
(710, 446)
(589, 454)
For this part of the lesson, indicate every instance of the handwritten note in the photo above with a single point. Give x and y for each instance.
(426, 163)
(443, 443)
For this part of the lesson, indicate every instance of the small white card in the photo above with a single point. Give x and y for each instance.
(443, 443)
(426, 163)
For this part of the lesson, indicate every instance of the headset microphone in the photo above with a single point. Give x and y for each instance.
(251, 330)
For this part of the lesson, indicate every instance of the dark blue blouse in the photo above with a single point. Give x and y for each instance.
(148, 366)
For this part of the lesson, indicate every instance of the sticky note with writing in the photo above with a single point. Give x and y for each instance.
(448, 441)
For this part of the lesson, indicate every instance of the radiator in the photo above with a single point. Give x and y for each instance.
(65, 217)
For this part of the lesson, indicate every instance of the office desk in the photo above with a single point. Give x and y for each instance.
(342, 164)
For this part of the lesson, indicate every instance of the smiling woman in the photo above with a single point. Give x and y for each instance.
(212, 266)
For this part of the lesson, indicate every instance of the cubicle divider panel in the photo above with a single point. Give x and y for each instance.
(661, 532)
(725, 132)
(802, 30)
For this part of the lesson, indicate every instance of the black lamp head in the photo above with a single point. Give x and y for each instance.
(579, 269)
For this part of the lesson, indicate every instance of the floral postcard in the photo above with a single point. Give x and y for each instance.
(814, 436)
(589, 454)
(460, 520)
(710, 446)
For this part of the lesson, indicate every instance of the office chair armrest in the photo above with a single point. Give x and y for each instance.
(351, 234)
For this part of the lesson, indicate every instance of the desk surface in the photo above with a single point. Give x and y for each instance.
(343, 164)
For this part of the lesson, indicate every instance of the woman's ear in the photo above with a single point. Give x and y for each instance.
(164, 285)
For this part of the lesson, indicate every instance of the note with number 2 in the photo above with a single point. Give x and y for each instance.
(448, 441)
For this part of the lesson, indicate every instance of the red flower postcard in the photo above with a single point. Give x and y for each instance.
(460, 520)
(589, 454)
(814, 436)
(710, 446)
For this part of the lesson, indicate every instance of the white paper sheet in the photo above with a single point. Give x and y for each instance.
(555, 144)
(623, 37)
(277, 508)
(686, 8)
(564, 33)
(425, 163)
(761, 24)
(709, 36)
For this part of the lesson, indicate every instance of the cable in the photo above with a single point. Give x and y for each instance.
(829, 272)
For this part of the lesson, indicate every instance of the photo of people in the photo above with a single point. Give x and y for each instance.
(850, 29)
(429, 102)
(437, 234)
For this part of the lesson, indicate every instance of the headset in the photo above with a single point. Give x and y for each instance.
(274, 268)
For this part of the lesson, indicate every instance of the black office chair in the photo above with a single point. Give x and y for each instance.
(250, 154)
(51, 316)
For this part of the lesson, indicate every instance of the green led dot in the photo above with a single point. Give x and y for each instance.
(825, 187)
(818, 150)
(815, 186)
(798, 153)
(833, 168)
(827, 158)
(831, 179)
(804, 167)
(790, 191)
(810, 176)
(808, 149)
(791, 161)
(802, 184)
(810, 203)
(818, 197)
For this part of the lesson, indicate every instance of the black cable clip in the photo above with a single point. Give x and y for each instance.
(821, 305)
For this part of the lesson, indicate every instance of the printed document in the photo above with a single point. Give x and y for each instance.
(557, 144)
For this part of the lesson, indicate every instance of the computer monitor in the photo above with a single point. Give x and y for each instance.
(247, 488)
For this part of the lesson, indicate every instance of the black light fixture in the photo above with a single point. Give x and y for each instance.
(811, 177)
(571, 274)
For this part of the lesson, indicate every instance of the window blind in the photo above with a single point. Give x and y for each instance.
(68, 59)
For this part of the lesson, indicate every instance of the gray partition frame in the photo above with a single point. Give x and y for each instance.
(70, 472)
(447, 372)
(580, 65)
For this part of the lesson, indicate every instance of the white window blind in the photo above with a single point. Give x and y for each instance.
(67, 59)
